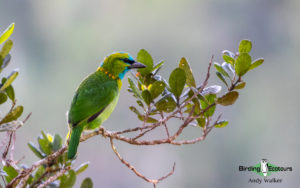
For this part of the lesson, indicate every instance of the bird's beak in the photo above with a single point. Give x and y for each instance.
(136, 65)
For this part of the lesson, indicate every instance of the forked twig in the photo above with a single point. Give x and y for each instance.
(55, 177)
(133, 169)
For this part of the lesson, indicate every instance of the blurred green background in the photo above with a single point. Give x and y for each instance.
(58, 43)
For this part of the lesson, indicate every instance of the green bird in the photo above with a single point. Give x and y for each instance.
(97, 96)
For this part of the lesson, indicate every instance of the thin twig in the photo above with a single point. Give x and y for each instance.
(55, 177)
(132, 168)
(143, 133)
(27, 117)
(47, 171)
(46, 160)
(4, 181)
(137, 129)
(8, 145)
(165, 125)
(208, 73)
(233, 85)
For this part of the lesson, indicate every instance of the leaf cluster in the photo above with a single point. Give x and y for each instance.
(48, 144)
(156, 95)
(9, 121)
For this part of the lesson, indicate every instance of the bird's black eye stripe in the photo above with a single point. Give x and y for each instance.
(129, 61)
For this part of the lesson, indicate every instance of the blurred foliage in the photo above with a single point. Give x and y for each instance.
(47, 143)
(9, 121)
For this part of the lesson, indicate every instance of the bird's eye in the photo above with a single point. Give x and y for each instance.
(129, 61)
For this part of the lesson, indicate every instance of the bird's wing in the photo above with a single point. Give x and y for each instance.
(94, 94)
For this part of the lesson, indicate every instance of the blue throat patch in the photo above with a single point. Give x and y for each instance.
(122, 74)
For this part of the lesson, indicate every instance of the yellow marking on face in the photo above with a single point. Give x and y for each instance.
(119, 82)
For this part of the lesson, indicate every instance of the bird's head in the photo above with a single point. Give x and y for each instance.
(118, 64)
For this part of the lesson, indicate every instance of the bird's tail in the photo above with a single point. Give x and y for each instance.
(74, 141)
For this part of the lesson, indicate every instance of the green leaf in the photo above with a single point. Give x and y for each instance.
(166, 104)
(72, 178)
(3, 98)
(10, 126)
(68, 181)
(87, 183)
(45, 146)
(7, 33)
(214, 89)
(190, 93)
(183, 64)
(30, 180)
(13, 115)
(146, 96)
(228, 59)
(221, 124)
(221, 70)
(148, 120)
(157, 67)
(133, 109)
(9, 80)
(177, 81)
(245, 46)
(63, 179)
(5, 61)
(149, 79)
(6, 49)
(134, 89)
(210, 99)
(57, 143)
(142, 117)
(145, 58)
(140, 103)
(201, 122)
(39, 172)
(228, 99)
(201, 97)
(221, 77)
(45, 143)
(10, 92)
(156, 89)
(35, 150)
(11, 173)
(256, 63)
(240, 85)
(243, 63)
(82, 167)
(44, 136)
(3, 80)
(229, 53)
(228, 68)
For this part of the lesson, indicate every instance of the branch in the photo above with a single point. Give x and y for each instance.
(153, 181)
(55, 177)
(4, 154)
(118, 135)
(23, 174)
